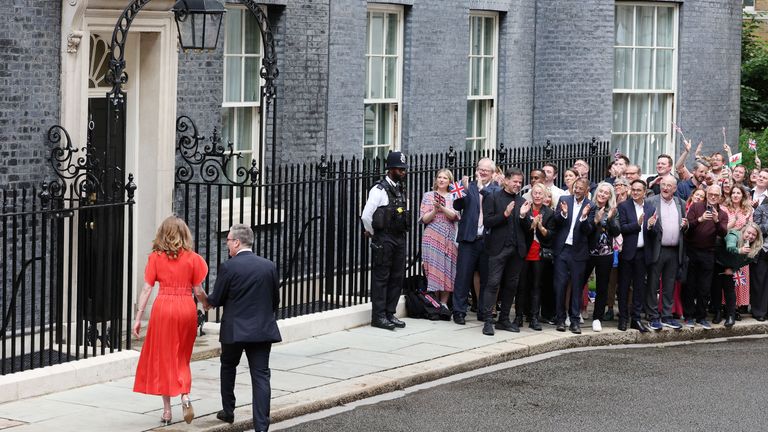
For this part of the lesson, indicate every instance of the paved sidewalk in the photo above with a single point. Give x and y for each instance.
(320, 373)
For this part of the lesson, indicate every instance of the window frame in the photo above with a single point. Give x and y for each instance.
(669, 132)
(491, 124)
(396, 103)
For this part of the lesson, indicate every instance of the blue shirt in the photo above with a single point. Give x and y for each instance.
(685, 189)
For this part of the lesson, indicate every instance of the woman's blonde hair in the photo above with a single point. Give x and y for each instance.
(745, 207)
(756, 245)
(447, 173)
(172, 237)
(611, 203)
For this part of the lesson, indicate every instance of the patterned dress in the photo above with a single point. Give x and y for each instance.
(438, 246)
(740, 277)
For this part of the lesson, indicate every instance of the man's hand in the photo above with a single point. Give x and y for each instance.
(524, 208)
(585, 211)
(508, 210)
(687, 145)
(684, 223)
(564, 208)
(652, 220)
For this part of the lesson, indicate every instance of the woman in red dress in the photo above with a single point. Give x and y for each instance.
(164, 362)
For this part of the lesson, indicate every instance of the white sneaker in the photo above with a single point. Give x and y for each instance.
(581, 319)
(567, 321)
(596, 326)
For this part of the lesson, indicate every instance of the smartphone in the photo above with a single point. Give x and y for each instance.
(710, 208)
(439, 199)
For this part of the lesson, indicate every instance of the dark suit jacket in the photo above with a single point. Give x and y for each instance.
(630, 229)
(247, 286)
(500, 231)
(548, 220)
(563, 226)
(469, 206)
(655, 201)
(611, 228)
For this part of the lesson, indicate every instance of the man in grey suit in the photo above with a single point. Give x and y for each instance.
(667, 253)
(247, 286)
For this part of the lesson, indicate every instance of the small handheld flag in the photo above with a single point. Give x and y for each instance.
(735, 159)
(457, 190)
(678, 129)
(752, 144)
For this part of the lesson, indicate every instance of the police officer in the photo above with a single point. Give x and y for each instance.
(387, 220)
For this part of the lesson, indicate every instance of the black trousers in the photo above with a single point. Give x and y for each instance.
(568, 269)
(602, 266)
(503, 277)
(471, 257)
(632, 271)
(529, 291)
(725, 284)
(258, 364)
(759, 285)
(697, 288)
(387, 273)
(547, 289)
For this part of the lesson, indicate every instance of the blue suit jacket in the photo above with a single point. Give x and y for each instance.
(247, 286)
(469, 206)
(580, 230)
(630, 229)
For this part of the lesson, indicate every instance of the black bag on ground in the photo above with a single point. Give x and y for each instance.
(419, 303)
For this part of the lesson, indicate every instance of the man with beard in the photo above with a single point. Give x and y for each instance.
(699, 176)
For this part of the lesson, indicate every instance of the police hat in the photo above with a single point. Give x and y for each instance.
(396, 159)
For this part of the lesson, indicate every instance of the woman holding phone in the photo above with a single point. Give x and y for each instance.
(738, 249)
(438, 248)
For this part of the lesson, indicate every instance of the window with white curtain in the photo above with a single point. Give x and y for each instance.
(242, 86)
(483, 37)
(644, 80)
(383, 80)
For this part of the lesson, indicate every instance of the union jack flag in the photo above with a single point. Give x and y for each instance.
(752, 144)
(740, 280)
(457, 190)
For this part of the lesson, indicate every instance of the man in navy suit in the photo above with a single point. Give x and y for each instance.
(571, 254)
(637, 219)
(247, 286)
(471, 253)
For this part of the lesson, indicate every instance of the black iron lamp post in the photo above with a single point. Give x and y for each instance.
(199, 23)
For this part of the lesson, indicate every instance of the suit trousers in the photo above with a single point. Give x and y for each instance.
(387, 274)
(602, 266)
(632, 271)
(529, 290)
(258, 364)
(471, 257)
(568, 269)
(662, 273)
(547, 290)
(759, 285)
(503, 276)
(701, 265)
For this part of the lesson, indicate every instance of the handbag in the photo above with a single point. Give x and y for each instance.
(546, 254)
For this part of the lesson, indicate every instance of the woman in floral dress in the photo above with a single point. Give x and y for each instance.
(438, 245)
(739, 209)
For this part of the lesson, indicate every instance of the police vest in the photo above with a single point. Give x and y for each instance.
(394, 217)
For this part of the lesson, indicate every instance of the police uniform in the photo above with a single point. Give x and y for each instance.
(387, 219)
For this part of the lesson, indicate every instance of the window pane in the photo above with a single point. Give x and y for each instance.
(638, 119)
(244, 129)
(624, 25)
(477, 36)
(665, 27)
(481, 117)
(234, 31)
(664, 69)
(487, 76)
(376, 79)
(370, 125)
(232, 90)
(369, 152)
(227, 125)
(643, 68)
(474, 85)
(659, 113)
(658, 145)
(644, 26)
(489, 31)
(392, 34)
(470, 119)
(252, 34)
(637, 150)
(619, 141)
(622, 68)
(620, 106)
(390, 85)
(384, 129)
(377, 33)
(252, 79)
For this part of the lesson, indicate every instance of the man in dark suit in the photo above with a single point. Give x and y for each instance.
(247, 286)
(636, 218)
(505, 223)
(667, 253)
(471, 251)
(571, 254)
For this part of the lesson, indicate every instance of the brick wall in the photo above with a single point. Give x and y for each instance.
(29, 88)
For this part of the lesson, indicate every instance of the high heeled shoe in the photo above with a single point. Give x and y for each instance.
(166, 420)
(189, 412)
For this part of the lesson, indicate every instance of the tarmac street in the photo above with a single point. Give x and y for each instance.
(322, 372)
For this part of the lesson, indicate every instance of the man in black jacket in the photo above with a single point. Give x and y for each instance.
(505, 223)
(248, 287)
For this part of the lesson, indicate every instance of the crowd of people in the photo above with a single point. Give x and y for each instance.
(681, 247)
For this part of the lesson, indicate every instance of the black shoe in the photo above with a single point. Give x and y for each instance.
(730, 321)
(718, 318)
(459, 319)
(396, 322)
(737, 316)
(508, 326)
(382, 323)
(519, 320)
(759, 318)
(638, 325)
(622, 326)
(574, 327)
(560, 327)
(608, 316)
(535, 324)
(226, 418)
(488, 328)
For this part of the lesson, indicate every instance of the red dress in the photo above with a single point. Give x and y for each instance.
(164, 362)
